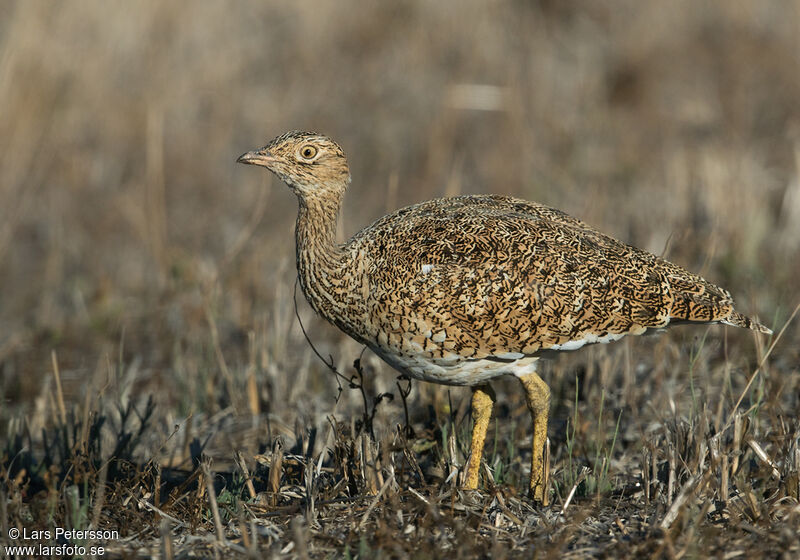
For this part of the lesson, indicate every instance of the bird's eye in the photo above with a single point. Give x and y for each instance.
(308, 151)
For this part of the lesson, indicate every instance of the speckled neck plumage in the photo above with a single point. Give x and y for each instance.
(321, 263)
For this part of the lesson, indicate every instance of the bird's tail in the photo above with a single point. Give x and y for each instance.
(707, 303)
(738, 320)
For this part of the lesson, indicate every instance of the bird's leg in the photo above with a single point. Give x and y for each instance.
(537, 394)
(482, 403)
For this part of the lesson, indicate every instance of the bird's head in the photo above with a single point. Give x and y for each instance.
(309, 163)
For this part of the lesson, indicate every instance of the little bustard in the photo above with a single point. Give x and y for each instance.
(464, 289)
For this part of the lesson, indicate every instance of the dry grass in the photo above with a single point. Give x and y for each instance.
(155, 379)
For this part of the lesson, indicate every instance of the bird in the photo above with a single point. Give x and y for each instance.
(464, 289)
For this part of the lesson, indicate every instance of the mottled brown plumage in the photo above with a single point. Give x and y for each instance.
(460, 290)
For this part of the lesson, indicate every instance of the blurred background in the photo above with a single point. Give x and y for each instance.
(141, 260)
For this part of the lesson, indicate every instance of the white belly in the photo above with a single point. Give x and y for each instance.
(457, 371)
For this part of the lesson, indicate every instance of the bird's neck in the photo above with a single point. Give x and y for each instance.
(321, 263)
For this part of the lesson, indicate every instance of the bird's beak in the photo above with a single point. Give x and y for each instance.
(257, 157)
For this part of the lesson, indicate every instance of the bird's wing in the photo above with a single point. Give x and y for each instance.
(491, 276)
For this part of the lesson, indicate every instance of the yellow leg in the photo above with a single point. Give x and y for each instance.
(482, 403)
(538, 397)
